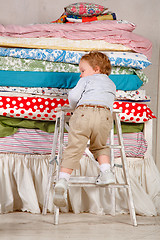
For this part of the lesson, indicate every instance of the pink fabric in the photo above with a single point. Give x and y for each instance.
(110, 31)
(35, 141)
(76, 27)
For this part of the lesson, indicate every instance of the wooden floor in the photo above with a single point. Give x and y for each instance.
(83, 226)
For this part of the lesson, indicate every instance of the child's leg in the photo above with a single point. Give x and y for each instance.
(103, 159)
(106, 175)
(60, 190)
(77, 141)
(104, 163)
(65, 173)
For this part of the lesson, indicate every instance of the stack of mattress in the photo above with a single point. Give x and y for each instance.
(38, 66)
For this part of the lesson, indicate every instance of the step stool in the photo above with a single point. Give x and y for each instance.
(84, 181)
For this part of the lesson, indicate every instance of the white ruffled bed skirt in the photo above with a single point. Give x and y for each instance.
(23, 180)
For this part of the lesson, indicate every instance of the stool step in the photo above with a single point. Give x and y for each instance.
(83, 181)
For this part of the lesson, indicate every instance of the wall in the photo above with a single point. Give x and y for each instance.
(144, 13)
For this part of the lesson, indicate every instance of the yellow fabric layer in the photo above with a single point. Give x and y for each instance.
(105, 17)
(61, 43)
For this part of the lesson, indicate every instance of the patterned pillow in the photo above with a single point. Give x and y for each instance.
(85, 9)
(128, 59)
(134, 112)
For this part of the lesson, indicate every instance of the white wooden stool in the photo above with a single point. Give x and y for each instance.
(84, 181)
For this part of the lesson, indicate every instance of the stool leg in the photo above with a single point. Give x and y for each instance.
(113, 193)
(59, 158)
(51, 167)
(125, 171)
(46, 198)
(56, 215)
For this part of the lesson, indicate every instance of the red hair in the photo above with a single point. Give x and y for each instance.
(99, 59)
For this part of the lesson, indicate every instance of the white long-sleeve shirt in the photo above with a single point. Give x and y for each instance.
(97, 89)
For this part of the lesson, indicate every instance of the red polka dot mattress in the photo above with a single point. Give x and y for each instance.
(44, 108)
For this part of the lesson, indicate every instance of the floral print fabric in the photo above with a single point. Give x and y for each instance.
(138, 95)
(85, 9)
(18, 64)
(121, 59)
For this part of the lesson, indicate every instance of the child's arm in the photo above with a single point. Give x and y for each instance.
(76, 93)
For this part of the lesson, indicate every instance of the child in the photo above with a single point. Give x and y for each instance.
(92, 98)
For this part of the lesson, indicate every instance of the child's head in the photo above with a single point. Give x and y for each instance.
(94, 62)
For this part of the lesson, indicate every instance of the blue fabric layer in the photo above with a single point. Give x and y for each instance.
(126, 82)
(61, 80)
(56, 55)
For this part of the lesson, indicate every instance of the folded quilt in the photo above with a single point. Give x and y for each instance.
(137, 95)
(10, 125)
(69, 17)
(18, 64)
(35, 141)
(38, 91)
(123, 59)
(44, 30)
(116, 32)
(61, 79)
(75, 18)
